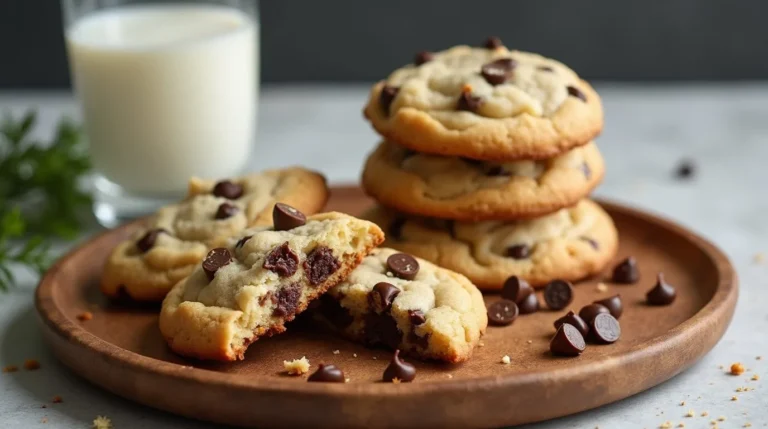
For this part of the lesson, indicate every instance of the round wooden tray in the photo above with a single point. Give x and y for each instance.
(121, 348)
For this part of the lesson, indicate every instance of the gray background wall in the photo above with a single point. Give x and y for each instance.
(359, 40)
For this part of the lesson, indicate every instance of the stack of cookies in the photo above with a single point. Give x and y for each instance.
(486, 164)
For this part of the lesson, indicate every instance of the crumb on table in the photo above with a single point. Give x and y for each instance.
(666, 425)
(601, 287)
(755, 377)
(506, 360)
(44, 420)
(690, 413)
(734, 398)
(57, 399)
(296, 366)
(85, 316)
(101, 422)
(737, 369)
(31, 364)
(336, 352)
(10, 368)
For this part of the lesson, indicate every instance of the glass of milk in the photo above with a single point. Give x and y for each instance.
(168, 90)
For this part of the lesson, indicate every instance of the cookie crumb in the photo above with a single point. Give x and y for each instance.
(721, 419)
(704, 414)
(681, 425)
(395, 380)
(691, 413)
(529, 341)
(374, 358)
(747, 425)
(758, 358)
(296, 366)
(506, 360)
(601, 287)
(57, 399)
(85, 316)
(734, 398)
(449, 375)
(682, 403)
(737, 369)
(354, 354)
(10, 368)
(666, 425)
(755, 377)
(101, 422)
(336, 352)
(31, 365)
(44, 420)
(346, 380)
(759, 258)
(482, 344)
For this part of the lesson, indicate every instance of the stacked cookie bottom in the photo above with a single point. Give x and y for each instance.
(490, 220)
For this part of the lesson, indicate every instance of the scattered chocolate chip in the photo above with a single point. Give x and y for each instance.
(282, 260)
(399, 369)
(227, 189)
(423, 57)
(226, 210)
(545, 68)
(241, 242)
(331, 308)
(604, 329)
(498, 71)
(576, 92)
(469, 102)
(662, 293)
(416, 317)
(558, 294)
(503, 312)
(382, 329)
(686, 169)
(216, 259)
(573, 319)
(529, 303)
(589, 312)
(422, 342)
(396, 228)
(586, 170)
(568, 341)
(403, 266)
(613, 304)
(328, 374)
(381, 297)
(591, 242)
(287, 300)
(387, 96)
(626, 271)
(515, 289)
(320, 264)
(147, 241)
(493, 42)
(285, 217)
(496, 171)
(519, 251)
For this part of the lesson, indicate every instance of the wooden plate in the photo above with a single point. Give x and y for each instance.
(121, 348)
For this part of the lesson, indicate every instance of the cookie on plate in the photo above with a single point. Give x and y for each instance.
(252, 287)
(569, 244)
(469, 190)
(486, 103)
(177, 237)
(401, 302)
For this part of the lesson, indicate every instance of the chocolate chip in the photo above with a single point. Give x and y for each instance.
(595, 245)
(396, 228)
(422, 342)
(502, 312)
(266, 297)
(604, 329)
(545, 68)
(662, 293)
(573, 319)
(226, 210)
(282, 261)
(586, 170)
(519, 251)
(498, 71)
(493, 42)
(558, 294)
(327, 374)
(403, 266)
(147, 241)
(686, 169)
(381, 297)
(496, 170)
(331, 308)
(227, 189)
(387, 96)
(568, 341)
(287, 300)
(529, 303)
(320, 264)
(576, 92)
(241, 242)
(469, 102)
(285, 217)
(613, 304)
(382, 329)
(626, 272)
(416, 317)
(450, 225)
(399, 369)
(515, 289)
(216, 259)
(423, 57)
(588, 312)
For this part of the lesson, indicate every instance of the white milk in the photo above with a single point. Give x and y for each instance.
(168, 92)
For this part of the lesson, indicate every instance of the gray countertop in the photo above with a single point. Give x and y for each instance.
(649, 129)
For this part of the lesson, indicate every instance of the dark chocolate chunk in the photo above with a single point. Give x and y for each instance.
(387, 96)
(381, 297)
(241, 242)
(498, 71)
(382, 329)
(287, 300)
(216, 259)
(227, 189)
(685, 170)
(626, 271)
(662, 293)
(422, 342)
(558, 294)
(285, 217)
(320, 264)
(568, 341)
(586, 170)
(576, 92)
(399, 369)
(529, 303)
(515, 289)
(403, 266)
(469, 102)
(266, 297)
(604, 329)
(147, 241)
(396, 228)
(423, 57)
(588, 312)
(519, 251)
(226, 210)
(591, 242)
(493, 42)
(328, 374)
(416, 317)
(613, 304)
(575, 320)
(332, 310)
(282, 260)
(502, 312)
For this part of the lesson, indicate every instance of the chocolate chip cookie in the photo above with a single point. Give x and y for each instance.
(263, 279)
(177, 237)
(486, 103)
(401, 302)
(569, 244)
(470, 190)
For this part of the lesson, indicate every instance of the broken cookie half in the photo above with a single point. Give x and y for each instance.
(262, 280)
